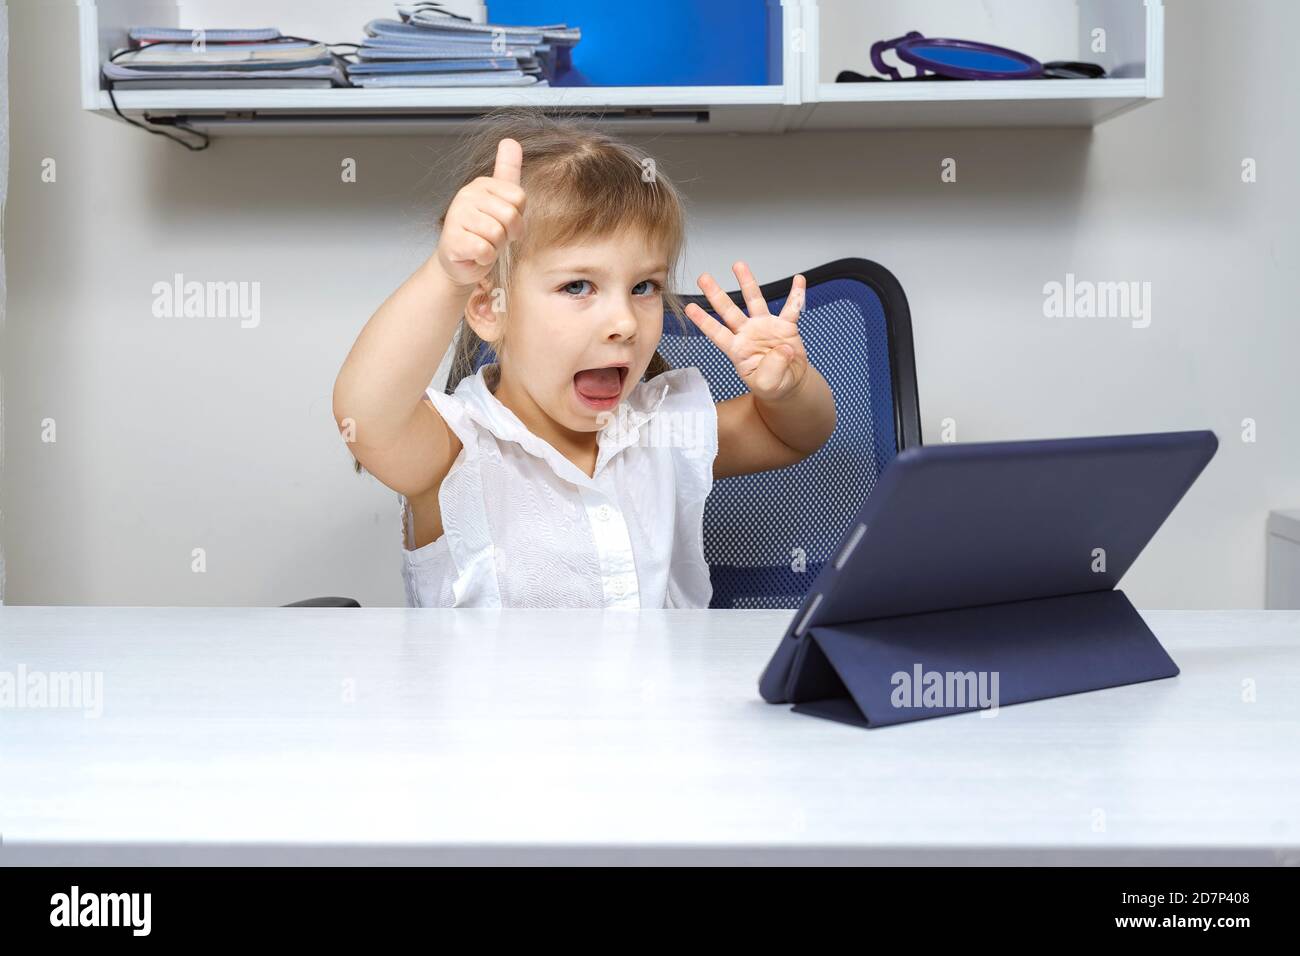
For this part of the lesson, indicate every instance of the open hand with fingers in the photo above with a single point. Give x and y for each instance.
(766, 349)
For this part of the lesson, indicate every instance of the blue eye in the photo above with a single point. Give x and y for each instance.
(568, 287)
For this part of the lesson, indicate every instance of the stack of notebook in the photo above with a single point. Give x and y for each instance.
(172, 58)
(429, 47)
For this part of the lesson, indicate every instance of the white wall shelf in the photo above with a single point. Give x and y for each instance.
(820, 38)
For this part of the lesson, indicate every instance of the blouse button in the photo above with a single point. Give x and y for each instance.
(604, 512)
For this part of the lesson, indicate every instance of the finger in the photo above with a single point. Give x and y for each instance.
(508, 191)
(473, 248)
(718, 334)
(771, 371)
(510, 161)
(795, 301)
(721, 302)
(754, 301)
(481, 224)
(504, 213)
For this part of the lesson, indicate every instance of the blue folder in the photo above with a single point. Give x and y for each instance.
(985, 574)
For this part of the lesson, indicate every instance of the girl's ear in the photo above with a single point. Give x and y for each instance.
(485, 312)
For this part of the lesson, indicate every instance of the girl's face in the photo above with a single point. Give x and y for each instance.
(583, 323)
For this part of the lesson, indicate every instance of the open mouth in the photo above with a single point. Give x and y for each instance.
(600, 388)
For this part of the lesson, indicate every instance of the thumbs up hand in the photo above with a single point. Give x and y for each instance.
(486, 214)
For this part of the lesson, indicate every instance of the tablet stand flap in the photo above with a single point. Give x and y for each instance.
(899, 669)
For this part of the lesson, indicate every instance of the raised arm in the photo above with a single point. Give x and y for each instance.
(379, 402)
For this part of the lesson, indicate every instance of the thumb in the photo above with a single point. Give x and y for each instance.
(771, 371)
(510, 161)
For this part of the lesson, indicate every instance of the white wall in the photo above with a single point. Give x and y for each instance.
(176, 434)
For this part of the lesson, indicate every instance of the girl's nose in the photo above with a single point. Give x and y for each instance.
(622, 325)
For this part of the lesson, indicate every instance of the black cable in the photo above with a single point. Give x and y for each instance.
(206, 139)
(438, 8)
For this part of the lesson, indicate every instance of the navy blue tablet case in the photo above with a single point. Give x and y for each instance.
(971, 559)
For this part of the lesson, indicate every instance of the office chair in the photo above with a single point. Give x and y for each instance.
(767, 535)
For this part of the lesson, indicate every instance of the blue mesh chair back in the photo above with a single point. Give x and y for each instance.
(767, 535)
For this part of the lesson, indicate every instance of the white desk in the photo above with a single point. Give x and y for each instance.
(572, 736)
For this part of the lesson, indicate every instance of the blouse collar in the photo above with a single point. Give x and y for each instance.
(621, 429)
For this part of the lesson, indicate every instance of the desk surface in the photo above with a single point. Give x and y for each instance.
(292, 735)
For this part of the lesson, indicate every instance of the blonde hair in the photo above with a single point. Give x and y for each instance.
(581, 184)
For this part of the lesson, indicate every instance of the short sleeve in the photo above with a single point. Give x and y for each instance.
(453, 412)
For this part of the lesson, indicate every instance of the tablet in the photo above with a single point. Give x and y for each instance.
(963, 525)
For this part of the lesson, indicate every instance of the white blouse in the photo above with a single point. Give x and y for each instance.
(525, 527)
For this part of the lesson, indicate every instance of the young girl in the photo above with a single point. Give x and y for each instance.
(572, 470)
